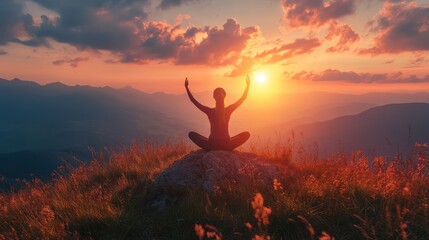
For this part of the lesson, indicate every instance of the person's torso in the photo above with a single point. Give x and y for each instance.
(219, 120)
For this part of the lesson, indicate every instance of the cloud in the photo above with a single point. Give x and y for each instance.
(346, 37)
(2, 52)
(274, 55)
(220, 46)
(334, 75)
(402, 27)
(120, 27)
(172, 3)
(244, 66)
(10, 20)
(80, 12)
(72, 62)
(298, 47)
(418, 60)
(98, 25)
(315, 13)
(157, 41)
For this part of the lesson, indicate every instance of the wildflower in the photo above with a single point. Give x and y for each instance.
(277, 185)
(259, 237)
(403, 227)
(261, 212)
(212, 232)
(258, 201)
(379, 162)
(248, 225)
(313, 185)
(199, 231)
(208, 231)
(326, 236)
(422, 156)
(47, 215)
(406, 191)
(213, 235)
(36, 193)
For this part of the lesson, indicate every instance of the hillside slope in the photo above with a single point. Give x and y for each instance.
(144, 192)
(385, 129)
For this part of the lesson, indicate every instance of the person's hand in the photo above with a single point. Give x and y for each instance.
(248, 80)
(186, 82)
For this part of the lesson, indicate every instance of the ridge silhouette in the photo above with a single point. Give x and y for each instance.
(219, 116)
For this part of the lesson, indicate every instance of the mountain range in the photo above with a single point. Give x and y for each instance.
(385, 130)
(43, 125)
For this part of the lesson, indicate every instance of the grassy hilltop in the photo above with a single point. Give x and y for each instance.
(346, 196)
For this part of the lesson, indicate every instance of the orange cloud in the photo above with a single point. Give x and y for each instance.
(345, 34)
(72, 62)
(298, 47)
(401, 27)
(334, 75)
(221, 46)
(315, 13)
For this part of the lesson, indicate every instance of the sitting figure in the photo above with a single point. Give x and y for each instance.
(219, 138)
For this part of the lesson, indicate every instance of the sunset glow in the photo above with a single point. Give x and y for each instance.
(346, 46)
(214, 119)
(261, 77)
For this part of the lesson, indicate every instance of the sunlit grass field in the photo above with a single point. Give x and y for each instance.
(345, 196)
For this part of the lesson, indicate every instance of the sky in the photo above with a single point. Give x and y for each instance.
(285, 46)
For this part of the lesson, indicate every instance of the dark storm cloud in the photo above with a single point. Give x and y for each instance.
(353, 77)
(401, 27)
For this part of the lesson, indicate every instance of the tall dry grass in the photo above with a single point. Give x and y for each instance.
(84, 202)
(345, 196)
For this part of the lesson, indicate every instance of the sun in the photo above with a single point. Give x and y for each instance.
(261, 77)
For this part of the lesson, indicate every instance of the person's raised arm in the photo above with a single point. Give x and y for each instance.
(241, 100)
(193, 100)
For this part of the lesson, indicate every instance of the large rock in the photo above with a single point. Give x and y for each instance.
(209, 171)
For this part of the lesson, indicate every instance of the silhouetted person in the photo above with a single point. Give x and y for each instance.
(219, 138)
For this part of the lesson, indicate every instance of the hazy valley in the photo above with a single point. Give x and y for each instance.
(42, 125)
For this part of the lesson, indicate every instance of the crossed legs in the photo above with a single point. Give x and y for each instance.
(199, 140)
(219, 144)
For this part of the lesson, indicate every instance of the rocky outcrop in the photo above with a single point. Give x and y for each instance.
(209, 171)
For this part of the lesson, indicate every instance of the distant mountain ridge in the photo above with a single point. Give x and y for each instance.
(56, 116)
(40, 123)
(385, 129)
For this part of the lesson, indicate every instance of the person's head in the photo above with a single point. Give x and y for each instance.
(219, 94)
